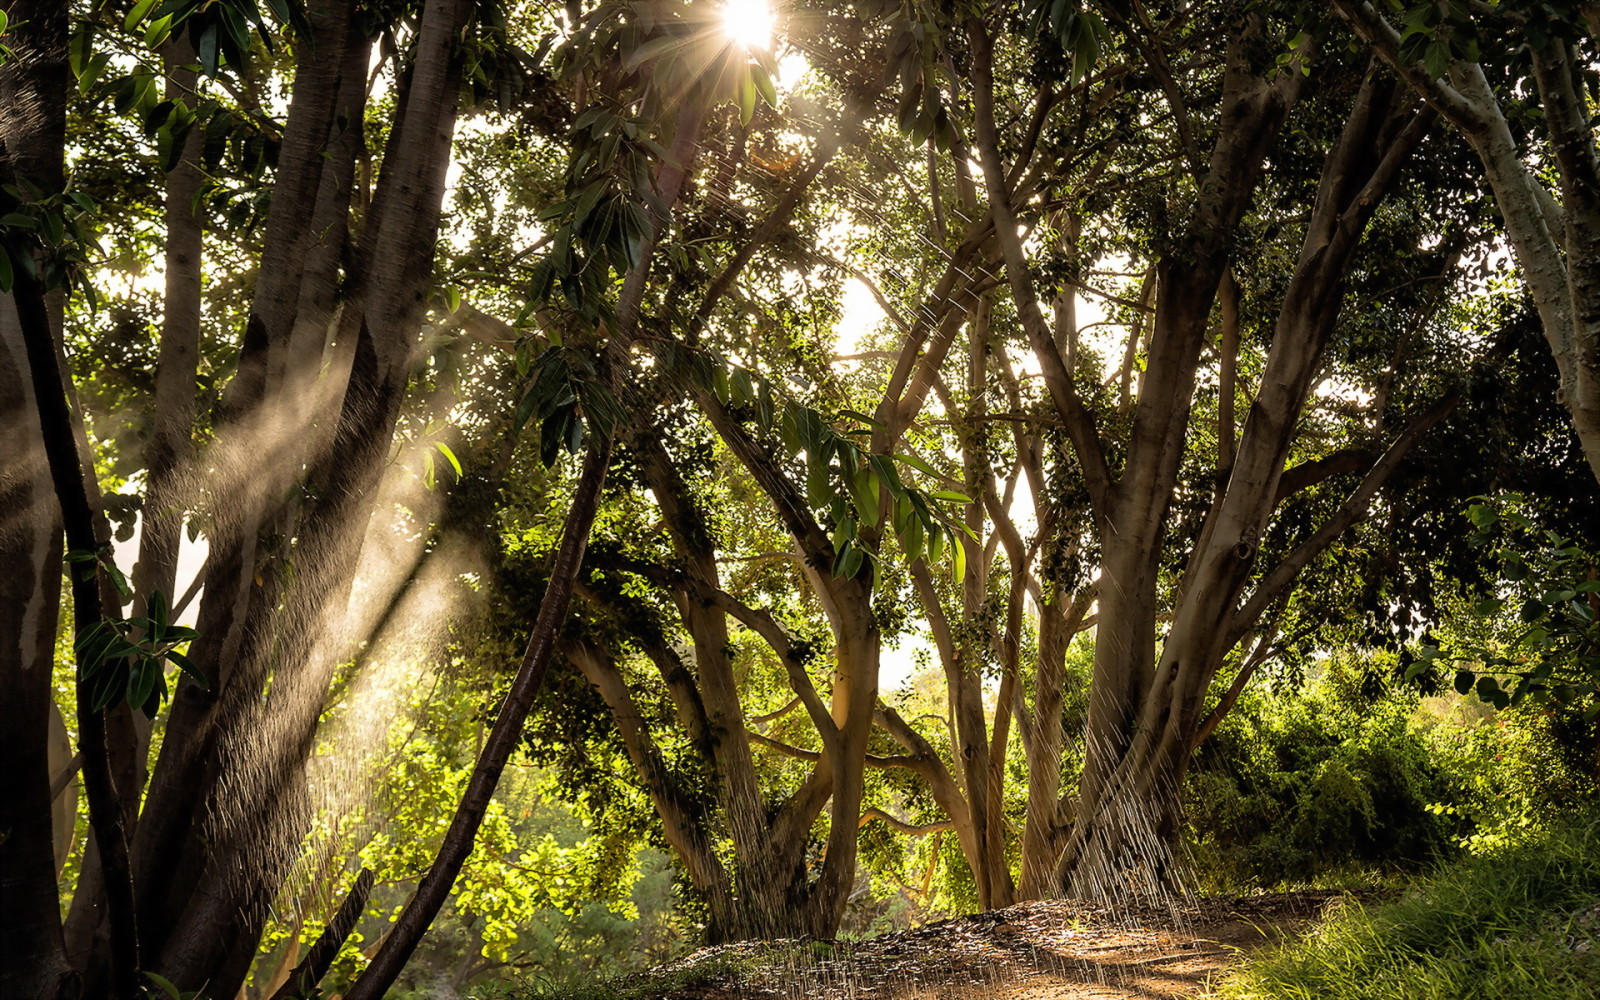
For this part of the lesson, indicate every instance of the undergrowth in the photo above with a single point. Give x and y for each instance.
(1519, 923)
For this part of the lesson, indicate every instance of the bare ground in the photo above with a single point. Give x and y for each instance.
(1047, 950)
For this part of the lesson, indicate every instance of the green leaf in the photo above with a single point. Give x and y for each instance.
(747, 100)
(763, 82)
(142, 677)
(650, 50)
(206, 49)
(158, 31)
(92, 68)
(848, 562)
(165, 985)
(951, 495)
(449, 456)
(1436, 60)
(913, 538)
(574, 434)
(818, 490)
(1464, 681)
(958, 559)
(902, 514)
(118, 578)
(187, 666)
(137, 14)
(845, 532)
(919, 465)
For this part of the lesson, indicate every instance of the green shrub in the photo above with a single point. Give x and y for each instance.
(1316, 784)
(1518, 923)
(1514, 768)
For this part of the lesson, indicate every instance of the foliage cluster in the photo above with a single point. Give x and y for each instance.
(1317, 786)
(1282, 264)
(1359, 776)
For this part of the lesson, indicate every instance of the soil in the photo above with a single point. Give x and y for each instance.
(1045, 950)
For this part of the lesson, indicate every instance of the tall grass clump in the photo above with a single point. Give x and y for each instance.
(1521, 922)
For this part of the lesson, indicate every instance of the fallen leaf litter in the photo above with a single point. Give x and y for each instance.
(1042, 950)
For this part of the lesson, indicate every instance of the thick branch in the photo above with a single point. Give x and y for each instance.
(1309, 474)
(1353, 509)
(760, 621)
(1383, 38)
(302, 982)
(1079, 422)
(900, 825)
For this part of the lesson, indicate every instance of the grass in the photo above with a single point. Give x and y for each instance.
(1522, 923)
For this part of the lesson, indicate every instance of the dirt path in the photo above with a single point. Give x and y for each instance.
(1049, 950)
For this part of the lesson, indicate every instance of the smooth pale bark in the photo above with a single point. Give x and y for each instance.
(167, 446)
(758, 901)
(974, 798)
(1130, 808)
(1130, 509)
(684, 831)
(1145, 704)
(770, 891)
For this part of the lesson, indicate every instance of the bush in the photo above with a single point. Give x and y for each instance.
(1317, 784)
(1515, 768)
(1521, 922)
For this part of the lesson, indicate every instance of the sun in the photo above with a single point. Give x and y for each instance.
(749, 23)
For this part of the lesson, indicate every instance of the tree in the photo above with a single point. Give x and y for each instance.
(1148, 702)
(1487, 91)
(282, 466)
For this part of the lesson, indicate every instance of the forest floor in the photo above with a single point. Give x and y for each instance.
(1047, 950)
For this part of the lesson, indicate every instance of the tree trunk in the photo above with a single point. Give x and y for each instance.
(380, 316)
(33, 961)
(1556, 244)
(259, 430)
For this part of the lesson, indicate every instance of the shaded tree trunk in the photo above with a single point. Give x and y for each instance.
(33, 960)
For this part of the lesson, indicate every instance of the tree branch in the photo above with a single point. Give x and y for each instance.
(761, 622)
(1377, 32)
(900, 825)
(1353, 509)
(1309, 474)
